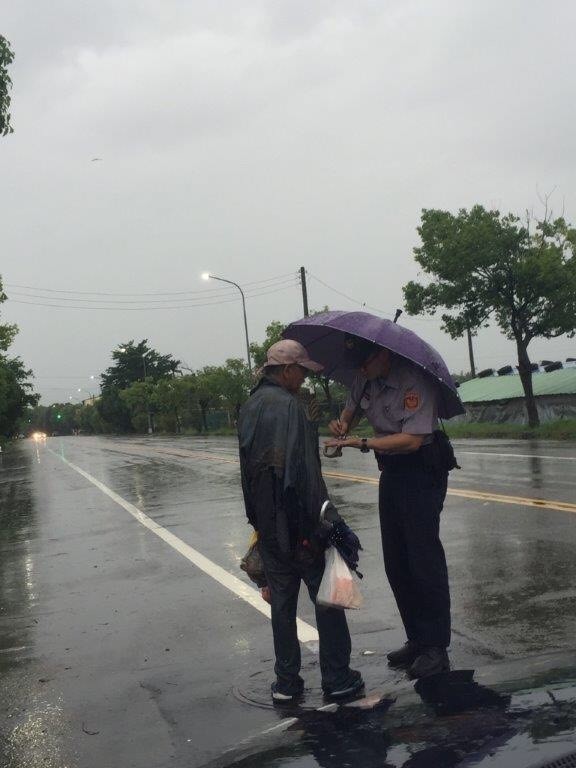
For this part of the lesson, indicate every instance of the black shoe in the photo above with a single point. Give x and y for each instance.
(431, 661)
(287, 692)
(352, 685)
(404, 656)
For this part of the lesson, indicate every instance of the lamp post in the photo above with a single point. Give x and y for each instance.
(150, 426)
(208, 276)
(93, 378)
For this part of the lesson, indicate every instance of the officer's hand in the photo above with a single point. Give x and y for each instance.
(338, 427)
(338, 442)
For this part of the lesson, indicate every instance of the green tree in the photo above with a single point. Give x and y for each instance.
(185, 400)
(232, 383)
(207, 381)
(485, 266)
(89, 419)
(6, 58)
(16, 391)
(113, 412)
(139, 398)
(16, 394)
(134, 362)
(7, 332)
(169, 400)
(273, 334)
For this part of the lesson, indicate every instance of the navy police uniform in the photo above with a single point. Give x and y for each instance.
(411, 496)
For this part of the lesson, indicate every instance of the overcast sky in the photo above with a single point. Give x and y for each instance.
(250, 138)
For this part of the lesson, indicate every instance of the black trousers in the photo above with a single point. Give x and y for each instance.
(410, 501)
(284, 576)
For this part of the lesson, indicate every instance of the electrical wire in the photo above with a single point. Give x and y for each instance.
(227, 294)
(368, 306)
(124, 308)
(153, 293)
(340, 293)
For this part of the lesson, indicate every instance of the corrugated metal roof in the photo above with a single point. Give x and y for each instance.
(562, 382)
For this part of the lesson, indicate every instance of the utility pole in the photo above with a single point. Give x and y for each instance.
(471, 352)
(304, 291)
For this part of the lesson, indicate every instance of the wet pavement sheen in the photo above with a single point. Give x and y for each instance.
(117, 651)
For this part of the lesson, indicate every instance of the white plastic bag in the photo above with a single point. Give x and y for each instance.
(338, 588)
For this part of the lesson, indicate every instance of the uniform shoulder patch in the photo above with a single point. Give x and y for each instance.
(411, 400)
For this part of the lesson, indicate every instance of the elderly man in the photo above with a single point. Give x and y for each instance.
(283, 493)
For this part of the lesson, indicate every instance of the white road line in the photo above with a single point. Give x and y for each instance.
(515, 455)
(306, 633)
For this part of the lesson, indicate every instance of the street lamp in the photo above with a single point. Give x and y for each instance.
(150, 427)
(144, 362)
(208, 276)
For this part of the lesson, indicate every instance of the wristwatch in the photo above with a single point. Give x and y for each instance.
(364, 447)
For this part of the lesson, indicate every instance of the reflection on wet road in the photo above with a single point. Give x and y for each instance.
(116, 650)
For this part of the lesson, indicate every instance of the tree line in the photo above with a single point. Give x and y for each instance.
(16, 389)
(145, 391)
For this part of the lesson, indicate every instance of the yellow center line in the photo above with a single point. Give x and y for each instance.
(498, 498)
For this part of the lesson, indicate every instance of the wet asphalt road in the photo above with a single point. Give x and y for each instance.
(116, 650)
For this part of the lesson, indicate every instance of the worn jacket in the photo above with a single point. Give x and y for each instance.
(280, 467)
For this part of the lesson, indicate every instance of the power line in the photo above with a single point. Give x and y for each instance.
(153, 293)
(368, 306)
(250, 292)
(340, 293)
(123, 308)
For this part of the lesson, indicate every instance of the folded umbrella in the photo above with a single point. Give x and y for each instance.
(332, 529)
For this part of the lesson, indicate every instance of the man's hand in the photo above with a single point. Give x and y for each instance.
(265, 592)
(338, 427)
(346, 542)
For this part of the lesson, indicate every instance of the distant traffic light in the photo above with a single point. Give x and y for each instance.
(58, 415)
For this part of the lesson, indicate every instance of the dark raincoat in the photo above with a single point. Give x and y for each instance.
(280, 467)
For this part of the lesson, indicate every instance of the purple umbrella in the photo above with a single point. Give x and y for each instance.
(325, 335)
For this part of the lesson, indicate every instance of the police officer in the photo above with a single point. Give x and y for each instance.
(400, 403)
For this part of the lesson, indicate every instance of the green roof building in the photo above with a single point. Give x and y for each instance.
(501, 398)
